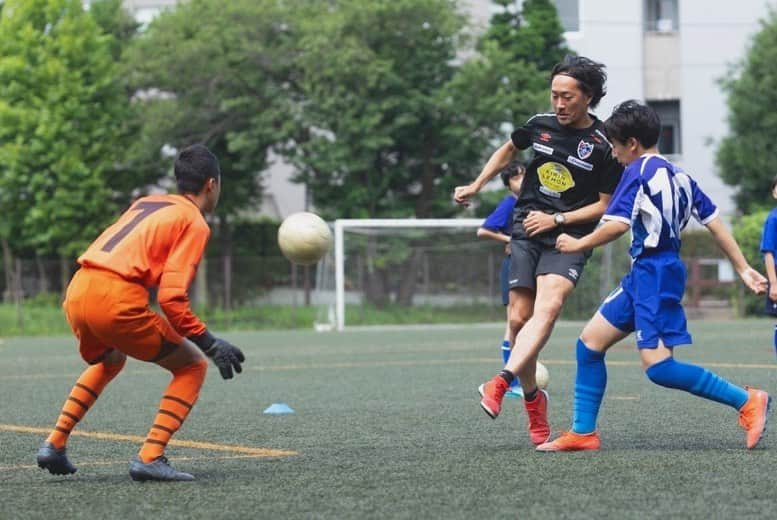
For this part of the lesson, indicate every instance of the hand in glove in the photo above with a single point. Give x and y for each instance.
(224, 354)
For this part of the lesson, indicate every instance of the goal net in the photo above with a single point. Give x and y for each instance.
(405, 266)
(430, 271)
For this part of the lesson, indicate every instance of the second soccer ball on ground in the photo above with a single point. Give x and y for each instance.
(542, 375)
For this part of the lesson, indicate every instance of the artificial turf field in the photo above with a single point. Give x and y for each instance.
(387, 425)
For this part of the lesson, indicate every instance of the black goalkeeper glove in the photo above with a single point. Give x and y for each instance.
(224, 354)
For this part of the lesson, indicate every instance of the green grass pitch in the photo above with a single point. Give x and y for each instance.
(387, 425)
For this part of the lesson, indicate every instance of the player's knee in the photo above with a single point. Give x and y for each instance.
(519, 315)
(585, 353)
(662, 373)
(517, 321)
(198, 368)
(548, 310)
(114, 361)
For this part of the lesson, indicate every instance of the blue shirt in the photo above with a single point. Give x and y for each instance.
(501, 219)
(657, 199)
(769, 237)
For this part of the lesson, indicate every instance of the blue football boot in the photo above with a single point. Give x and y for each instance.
(55, 460)
(157, 469)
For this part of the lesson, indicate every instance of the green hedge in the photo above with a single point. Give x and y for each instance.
(747, 232)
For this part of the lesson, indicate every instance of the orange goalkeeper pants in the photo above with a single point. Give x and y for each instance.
(106, 311)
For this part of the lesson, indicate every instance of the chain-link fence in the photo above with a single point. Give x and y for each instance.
(428, 285)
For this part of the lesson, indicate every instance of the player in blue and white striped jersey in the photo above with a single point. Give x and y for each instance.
(656, 199)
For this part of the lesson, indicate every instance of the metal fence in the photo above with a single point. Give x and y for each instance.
(466, 273)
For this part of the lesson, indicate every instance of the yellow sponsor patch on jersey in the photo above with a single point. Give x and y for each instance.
(555, 177)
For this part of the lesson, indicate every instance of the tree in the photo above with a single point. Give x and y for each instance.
(391, 119)
(113, 19)
(531, 33)
(213, 72)
(390, 112)
(745, 155)
(59, 107)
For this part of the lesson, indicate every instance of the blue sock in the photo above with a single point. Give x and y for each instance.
(775, 339)
(590, 382)
(506, 349)
(698, 381)
(505, 357)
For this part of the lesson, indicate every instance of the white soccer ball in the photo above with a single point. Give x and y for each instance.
(304, 238)
(542, 375)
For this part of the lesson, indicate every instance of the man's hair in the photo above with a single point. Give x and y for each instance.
(513, 169)
(633, 119)
(588, 73)
(193, 167)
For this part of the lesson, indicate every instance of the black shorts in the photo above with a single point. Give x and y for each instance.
(530, 258)
(504, 280)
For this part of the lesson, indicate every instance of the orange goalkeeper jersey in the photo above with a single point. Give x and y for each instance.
(157, 242)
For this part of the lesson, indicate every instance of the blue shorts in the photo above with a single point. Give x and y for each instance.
(649, 302)
(504, 280)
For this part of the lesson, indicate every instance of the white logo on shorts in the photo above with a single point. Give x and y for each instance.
(514, 280)
(573, 273)
(639, 335)
(613, 294)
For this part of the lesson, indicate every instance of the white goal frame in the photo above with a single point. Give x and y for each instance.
(341, 225)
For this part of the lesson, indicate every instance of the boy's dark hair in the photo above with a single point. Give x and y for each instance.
(774, 182)
(633, 119)
(193, 167)
(588, 73)
(515, 167)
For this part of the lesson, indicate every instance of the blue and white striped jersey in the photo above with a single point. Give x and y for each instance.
(657, 199)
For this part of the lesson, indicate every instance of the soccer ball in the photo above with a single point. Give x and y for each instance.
(542, 376)
(304, 238)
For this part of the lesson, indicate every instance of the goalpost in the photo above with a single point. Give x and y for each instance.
(436, 269)
(367, 251)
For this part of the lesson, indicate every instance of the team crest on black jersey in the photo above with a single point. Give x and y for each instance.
(584, 149)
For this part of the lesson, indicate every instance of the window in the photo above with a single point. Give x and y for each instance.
(569, 14)
(661, 16)
(669, 138)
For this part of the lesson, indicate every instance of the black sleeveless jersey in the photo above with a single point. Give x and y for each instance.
(568, 170)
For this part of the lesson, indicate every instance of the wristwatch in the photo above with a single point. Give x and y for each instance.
(559, 219)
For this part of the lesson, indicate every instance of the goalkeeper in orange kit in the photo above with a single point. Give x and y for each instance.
(157, 242)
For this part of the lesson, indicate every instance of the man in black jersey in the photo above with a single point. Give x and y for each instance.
(566, 189)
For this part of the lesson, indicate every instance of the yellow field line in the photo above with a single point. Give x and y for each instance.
(257, 452)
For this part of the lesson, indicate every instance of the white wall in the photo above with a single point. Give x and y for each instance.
(610, 32)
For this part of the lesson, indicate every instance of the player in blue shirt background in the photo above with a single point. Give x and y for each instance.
(769, 251)
(656, 199)
(499, 226)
